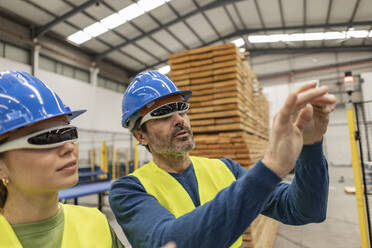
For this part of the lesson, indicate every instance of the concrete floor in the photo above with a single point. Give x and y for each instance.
(340, 230)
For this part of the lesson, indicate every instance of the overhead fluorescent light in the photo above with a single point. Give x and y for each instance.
(164, 69)
(257, 38)
(131, 12)
(79, 37)
(112, 21)
(313, 36)
(148, 5)
(238, 42)
(295, 37)
(309, 36)
(304, 37)
(266, 38)
(334, 35)
(357, 33)
(95, 29)
(277, 37)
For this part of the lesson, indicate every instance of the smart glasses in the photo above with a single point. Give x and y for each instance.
(165, 111)
(49, 138)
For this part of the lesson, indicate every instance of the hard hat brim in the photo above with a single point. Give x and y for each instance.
(76, 113)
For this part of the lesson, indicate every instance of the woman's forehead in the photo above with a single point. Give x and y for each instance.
(35, 127)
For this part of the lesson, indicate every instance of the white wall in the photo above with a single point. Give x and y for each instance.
(276, 94)
(6, 64)
(336, 141)
(367, 86)
(101, 122)
(103, 106)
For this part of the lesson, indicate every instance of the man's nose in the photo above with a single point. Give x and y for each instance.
(178, 118)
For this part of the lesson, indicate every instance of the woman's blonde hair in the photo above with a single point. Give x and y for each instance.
(3, 189)
(3, 194)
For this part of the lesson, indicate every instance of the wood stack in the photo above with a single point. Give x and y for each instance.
(228, 113)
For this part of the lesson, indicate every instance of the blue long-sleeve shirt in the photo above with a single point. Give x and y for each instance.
(221, 221)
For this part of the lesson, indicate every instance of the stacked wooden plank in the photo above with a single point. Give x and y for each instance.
(228, 110)
(228, 113)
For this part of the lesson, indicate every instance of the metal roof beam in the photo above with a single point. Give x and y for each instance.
(186, 23)
(281, 13)
(304, 20)
(258, 9)
(138, 28)
(202, 11)
(105, 42)
(243, 24)
(301, 27)
(329, 9)
(311, 26)
(356, 6)
(258, 52)
(88, 51)
(205, 7)
(170, 32)
(43, 29)
(310, 69)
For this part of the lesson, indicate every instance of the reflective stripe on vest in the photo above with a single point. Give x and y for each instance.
(212, 176)
(83, 228)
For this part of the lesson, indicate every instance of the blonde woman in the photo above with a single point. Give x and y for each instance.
(37, 159)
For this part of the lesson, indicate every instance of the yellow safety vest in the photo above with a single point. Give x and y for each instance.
(212, 176)
(83, 228)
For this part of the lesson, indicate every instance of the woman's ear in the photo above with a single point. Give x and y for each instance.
(141, 137)
(4, 173)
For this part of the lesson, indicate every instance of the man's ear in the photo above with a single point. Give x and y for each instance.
(141, 137)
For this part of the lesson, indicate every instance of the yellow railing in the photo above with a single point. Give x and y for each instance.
(104, 160)
(357, 177)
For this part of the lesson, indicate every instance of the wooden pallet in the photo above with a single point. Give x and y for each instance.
(208, 73)
(202, 54)
(208, 67)
(209, 79)
(261, 234)
(202, 62)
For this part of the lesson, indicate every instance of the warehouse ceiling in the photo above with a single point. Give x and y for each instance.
(141, 34)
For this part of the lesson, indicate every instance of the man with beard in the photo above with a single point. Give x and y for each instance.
(201, 202)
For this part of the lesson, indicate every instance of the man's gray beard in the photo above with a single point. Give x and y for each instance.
(177, 152)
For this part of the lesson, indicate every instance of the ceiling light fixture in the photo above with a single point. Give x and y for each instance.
(238, 42)
(114, 20)
(309, 36)
(79, 37)
(131, 12)
(164, 69)
(95, 29)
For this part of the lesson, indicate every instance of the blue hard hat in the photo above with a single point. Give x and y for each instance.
(25, 100)
(146, 87)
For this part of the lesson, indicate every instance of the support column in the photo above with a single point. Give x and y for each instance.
(35, 60)
(93, 79)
